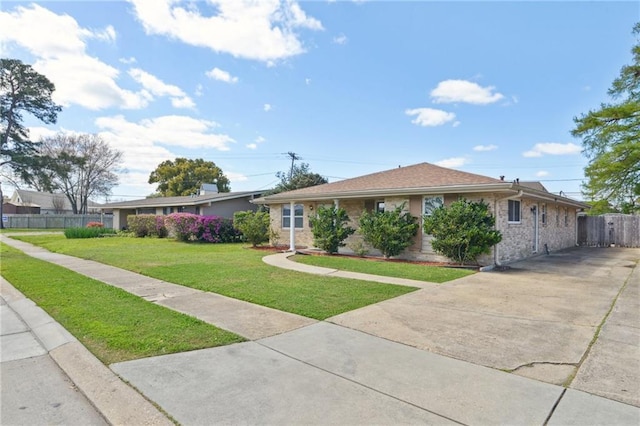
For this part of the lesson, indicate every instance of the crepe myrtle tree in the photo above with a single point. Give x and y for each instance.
(254, 225)
(330, 229)
(391, 231)
(462, 231)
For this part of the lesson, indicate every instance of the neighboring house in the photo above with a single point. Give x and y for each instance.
(208, 202)
(33, 202)
(529, 217)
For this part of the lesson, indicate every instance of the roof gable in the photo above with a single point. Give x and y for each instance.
(423, 175)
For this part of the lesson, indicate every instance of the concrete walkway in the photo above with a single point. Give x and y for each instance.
(281, 260)
(308, 372)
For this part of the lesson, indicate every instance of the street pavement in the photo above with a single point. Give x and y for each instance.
(302, 373)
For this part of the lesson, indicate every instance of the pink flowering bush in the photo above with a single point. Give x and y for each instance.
(208, 229)
(95, 225)
(147, 225)
(183, 226)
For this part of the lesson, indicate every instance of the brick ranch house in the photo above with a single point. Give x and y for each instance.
(529, 217)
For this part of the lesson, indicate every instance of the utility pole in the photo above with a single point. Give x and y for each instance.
(293, 157)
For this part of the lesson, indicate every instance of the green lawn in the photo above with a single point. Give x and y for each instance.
(113, 324)
(233, 270)
(381, 267)
(10, 230)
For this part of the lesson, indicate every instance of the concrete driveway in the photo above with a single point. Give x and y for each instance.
(538, 319)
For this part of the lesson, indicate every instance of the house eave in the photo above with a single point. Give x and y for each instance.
(506, 188)
(374, 193)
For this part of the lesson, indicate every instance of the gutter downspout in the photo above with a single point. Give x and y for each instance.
(292, 227)
(495, 248)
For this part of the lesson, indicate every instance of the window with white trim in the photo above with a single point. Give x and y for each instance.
(379, 206)
(514, 211)
(298, 211)
(544, 214)
(431, 203)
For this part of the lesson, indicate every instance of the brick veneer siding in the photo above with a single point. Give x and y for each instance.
(517, 238)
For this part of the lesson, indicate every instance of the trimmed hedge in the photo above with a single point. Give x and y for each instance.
(94, 232)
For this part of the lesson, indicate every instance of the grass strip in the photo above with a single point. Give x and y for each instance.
(113, 324)
(233, 270)
(434, 274)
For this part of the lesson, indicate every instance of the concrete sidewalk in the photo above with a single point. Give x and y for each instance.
(246, 319)
(306, 372)
(48, 377)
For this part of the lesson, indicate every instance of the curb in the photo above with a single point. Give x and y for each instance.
(116, 401)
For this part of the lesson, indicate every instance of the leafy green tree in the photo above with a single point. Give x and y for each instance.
(599, 207)
(463, 231)
(390, 231)
(330, 229)
(611, 140)
(297, 178)
(80, 166)
(185, 176)
(253, 225)
(22, 90)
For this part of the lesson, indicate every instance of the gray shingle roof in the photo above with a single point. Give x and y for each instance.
(188, 200)
(418, 176)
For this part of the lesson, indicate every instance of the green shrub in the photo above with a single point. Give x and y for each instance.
(330, 229)
(390, 232)
(253, 225)
(463, 231)
(147, 225)
(95, 232)
(207, 229)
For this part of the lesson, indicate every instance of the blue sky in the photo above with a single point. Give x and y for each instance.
(352, 87)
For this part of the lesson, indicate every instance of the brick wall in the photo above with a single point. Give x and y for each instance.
(517, 238)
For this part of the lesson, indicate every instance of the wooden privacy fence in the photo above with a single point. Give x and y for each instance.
(55, 221)
(620, 230)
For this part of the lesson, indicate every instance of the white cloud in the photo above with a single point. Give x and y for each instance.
(452, 162)
(267, 107)
(157, 87)
(482, 148)
(173, 130)
(552, 148)
(108, 34)
(147, 143)
(252, 146)
(450, 91)
(430, 117)
(220, 75)
(128, 61)
(37, 133)
(262, 30)
(236, 177)
(542, 173)
(260, 139)
(199, 90)
(341, 39)
(307, 81)
(79, 78)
